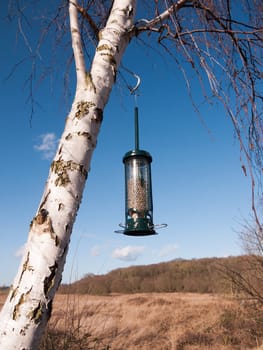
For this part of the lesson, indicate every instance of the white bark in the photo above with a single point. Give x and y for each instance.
(29, 303)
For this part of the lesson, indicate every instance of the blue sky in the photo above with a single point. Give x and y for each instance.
(199, 188)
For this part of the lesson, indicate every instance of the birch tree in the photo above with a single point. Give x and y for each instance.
(220, 40)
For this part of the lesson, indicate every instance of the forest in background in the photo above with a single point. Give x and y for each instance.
(206, 275)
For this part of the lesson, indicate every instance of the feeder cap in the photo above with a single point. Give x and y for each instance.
(137, 153)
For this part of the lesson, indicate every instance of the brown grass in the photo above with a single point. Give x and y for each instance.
(165, 321)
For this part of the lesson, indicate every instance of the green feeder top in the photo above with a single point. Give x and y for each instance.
(137, 153)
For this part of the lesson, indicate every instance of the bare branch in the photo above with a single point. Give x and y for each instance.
(149, 24)
(86, 15)
(226, 44)
(77, 42)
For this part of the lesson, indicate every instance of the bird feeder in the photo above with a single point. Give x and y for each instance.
(138, 190)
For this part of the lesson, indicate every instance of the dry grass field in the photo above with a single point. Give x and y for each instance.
(164, 321)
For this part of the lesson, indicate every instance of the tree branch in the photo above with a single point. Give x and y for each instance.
(77, 42)
(92, 24)
(149, 24)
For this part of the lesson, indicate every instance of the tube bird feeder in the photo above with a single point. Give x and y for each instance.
(138, 190)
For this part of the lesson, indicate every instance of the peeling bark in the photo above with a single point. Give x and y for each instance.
(28, 306)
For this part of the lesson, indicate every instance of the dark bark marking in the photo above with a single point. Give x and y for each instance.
(61, 168)
(83, 107)
(41, 216)
(22, 299)
(68, 137)
(45, 199)
(98, 115)
(36, 313)
(49, 281)
(61, 206)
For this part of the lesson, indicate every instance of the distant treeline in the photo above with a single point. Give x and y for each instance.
(197, 276)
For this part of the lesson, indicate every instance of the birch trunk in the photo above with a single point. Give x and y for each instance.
(29, 303)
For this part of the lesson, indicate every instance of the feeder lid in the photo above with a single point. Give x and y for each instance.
(137, 153)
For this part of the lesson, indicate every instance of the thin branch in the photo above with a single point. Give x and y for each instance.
(219, 31)
(77, 42)
(149, 24)
(24, 36)
(92, 24)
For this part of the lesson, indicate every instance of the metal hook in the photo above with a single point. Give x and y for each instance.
(132, 90)
(137, 84)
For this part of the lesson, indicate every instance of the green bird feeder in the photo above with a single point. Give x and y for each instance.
(138, 190)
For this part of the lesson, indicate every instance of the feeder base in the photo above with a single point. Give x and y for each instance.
(139, 232)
